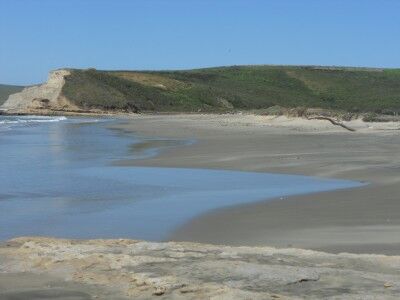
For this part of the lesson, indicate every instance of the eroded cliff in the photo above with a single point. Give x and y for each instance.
(41, 98)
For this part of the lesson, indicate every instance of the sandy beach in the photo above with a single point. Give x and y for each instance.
(361, 220)
(199, 150)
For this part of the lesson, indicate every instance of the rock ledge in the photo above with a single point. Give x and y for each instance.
(172, 270)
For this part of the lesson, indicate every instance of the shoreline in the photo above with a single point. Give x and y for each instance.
(360, 220)
(271, 265)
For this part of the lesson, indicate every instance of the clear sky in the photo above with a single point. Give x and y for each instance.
(39, 35)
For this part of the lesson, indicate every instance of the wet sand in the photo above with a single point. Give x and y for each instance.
(361, 220)
(365, 219)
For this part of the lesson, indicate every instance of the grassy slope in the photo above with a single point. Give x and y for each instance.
(6, 90)
(244, 87)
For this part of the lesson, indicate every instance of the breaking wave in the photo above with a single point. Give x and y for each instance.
(7, 122)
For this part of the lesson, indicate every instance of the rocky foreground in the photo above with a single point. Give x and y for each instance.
(143, 270)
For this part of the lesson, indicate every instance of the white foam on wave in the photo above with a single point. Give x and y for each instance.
(30, 119)
(10, 122)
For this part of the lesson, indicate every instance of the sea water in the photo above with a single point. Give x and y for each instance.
(57, 178)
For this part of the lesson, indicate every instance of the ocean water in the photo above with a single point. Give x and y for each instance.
(57, 179)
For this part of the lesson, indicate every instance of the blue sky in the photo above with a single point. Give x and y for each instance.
(39, 35)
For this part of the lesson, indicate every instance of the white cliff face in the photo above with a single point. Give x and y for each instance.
(39, 97)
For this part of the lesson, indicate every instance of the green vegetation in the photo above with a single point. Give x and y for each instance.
(7, 90)
(237, 88)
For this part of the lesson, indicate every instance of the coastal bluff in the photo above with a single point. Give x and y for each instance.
(41, 98)
(143, 270)
(271, 90)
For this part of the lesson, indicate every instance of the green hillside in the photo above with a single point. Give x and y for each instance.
(6, 90)
(237, 88)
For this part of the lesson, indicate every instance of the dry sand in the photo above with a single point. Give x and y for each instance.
(361, 220)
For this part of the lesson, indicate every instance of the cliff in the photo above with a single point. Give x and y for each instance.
(222, 89)
(39, 98)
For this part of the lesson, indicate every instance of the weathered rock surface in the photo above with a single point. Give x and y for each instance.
(38, 98)
(143, 270)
